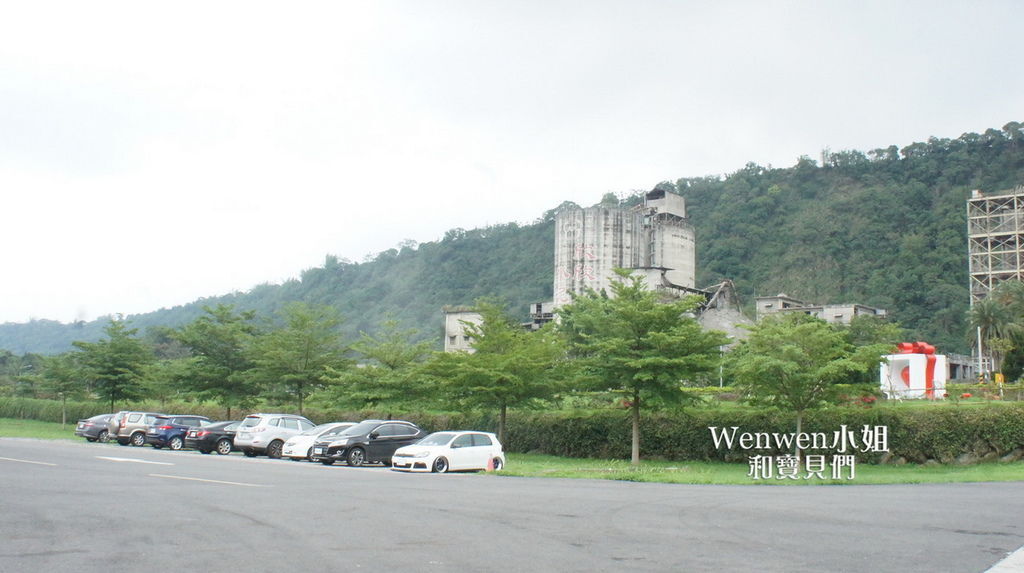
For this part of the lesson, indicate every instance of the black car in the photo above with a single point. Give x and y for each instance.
(217, 437)
(366, 442)
(94, 429)
(170, 430)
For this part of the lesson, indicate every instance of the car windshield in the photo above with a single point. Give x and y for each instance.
(436, 439)
(251, 421)
(316, 430)
(360, 429)
(337, 430)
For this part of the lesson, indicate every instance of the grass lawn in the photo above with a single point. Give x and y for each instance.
(12, 428)
(537, 465)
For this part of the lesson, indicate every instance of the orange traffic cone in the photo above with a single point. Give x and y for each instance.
(490, 464)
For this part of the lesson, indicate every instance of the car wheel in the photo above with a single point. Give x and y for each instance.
(123, 441)
(497, 464)
(104, 436)
(309, 454)
(440, 465)
(223, 446)
(138, 439)
(274, 449)
(176, 443)
(249, 452)
(205, 451)
(356, 457)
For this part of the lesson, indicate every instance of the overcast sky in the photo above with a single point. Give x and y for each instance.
(155, 153)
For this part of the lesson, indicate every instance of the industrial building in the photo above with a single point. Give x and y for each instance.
(654, 239)
(995, 239)
(834, 313)
(456, 336)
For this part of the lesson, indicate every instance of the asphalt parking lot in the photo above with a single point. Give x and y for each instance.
(70, 506)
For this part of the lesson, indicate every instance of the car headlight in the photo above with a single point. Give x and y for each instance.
(341, 442)
(421, 454)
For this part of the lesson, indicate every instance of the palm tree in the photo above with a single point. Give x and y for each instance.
(1011, 295)
(997, 326)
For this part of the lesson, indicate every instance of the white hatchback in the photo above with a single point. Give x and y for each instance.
(451, 451)
(301, 447)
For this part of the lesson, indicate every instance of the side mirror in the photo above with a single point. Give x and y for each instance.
(374, 435)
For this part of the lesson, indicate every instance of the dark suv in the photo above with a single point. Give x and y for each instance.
(170, 430)
(366, 442)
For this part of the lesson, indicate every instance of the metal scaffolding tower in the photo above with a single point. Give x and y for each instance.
(995, 239)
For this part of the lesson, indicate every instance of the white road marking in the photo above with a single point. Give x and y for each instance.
(1014, 563)
(207, 480)
(135, 460)
(28, 462)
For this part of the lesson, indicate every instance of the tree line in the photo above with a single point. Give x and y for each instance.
(628, 346)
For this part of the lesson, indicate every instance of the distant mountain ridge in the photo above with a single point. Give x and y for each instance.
(886, 228)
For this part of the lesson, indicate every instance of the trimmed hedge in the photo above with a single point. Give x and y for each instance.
(943, 434)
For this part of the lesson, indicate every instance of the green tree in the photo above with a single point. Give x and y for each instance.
(219, 342)
(294, 358)
(793, 361)
(866, 330)
(166, 378)
(997, 324)
(20, 375)
(637, 344)
(388, 374)
(509, 366)
(62, 379)
(115, 365)
(873, 331)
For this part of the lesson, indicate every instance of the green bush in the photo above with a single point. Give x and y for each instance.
(944, 433)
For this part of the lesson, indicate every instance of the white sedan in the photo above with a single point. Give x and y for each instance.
(301, 446)
(451, 451)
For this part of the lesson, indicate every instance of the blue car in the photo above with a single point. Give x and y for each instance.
(169, 431)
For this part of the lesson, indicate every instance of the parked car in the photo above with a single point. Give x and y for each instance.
(217, 437)
(267, 433)
(170, 430)
(368, 441)
(130, 427)
(300, 447)
(451, 451)
(94, 429)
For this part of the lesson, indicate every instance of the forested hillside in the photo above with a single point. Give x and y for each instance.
(410, 284)
(885, 227)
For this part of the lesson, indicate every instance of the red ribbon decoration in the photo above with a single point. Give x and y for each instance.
(929, 372)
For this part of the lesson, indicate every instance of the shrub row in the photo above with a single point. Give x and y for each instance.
(952, 434)
(943, 434)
